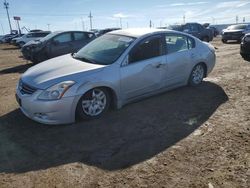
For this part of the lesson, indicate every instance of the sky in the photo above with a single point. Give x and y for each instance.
(73, 14)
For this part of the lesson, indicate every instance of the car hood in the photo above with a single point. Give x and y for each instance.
(33, 42)
(56, 70)
(233, 31)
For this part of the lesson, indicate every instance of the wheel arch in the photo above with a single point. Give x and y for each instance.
(111, 90)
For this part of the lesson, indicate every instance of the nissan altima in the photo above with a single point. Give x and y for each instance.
(114, 69)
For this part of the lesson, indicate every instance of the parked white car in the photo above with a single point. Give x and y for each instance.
(31, 36)
(116, 68)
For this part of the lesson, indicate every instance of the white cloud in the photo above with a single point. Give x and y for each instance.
(121, 15)
(188, 4)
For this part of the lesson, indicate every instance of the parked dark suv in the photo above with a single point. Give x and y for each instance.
(196, 30)
(235, 32)
(56, 44)
(245, 47)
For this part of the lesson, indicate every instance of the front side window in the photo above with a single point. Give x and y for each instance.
(194, 27)
(178, 43)
(66, 37)
(149, 48)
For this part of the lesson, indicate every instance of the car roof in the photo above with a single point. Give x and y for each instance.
(40, 32)
(59, 32)
(138, 32)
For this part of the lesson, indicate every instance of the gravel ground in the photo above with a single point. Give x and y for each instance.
(188, 137)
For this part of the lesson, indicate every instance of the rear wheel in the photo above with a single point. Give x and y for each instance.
(197, 75)
(93, 103)
(224, 41)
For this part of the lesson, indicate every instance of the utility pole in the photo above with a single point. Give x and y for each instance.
(90, 20)
(184, 19)
(6, 5)
(150, 23)
(237, 19)
(244, 20)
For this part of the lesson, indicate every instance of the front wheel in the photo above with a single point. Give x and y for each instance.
(197, 75)
(93, 103)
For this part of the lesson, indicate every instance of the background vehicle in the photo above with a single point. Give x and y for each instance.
(194, 29)
(214, 30)
(118, 67)
(13, 40)
(245, 47)
(56, 44)
(103, 31)
(31, 36)
(235, 32)
(7, 38)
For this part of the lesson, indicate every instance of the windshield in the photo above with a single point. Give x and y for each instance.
(49, 36)
(104, 50)
(233, 27)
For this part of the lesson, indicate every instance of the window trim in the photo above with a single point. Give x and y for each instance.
(163, 49)
(179, 34)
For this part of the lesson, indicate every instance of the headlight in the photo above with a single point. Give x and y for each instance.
(56, 92)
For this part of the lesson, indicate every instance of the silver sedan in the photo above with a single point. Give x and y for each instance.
(114, 69)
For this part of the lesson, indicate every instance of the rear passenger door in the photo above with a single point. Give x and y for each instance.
(179, 56)
(61, 44)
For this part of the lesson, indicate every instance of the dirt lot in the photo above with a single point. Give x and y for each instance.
(189, 137)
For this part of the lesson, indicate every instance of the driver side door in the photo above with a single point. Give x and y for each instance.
(143, 72)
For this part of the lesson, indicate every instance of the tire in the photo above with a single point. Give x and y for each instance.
(245, 57)
(224, 41)
(197, 75)
(20, 44)
(93, 104)
(206, 39)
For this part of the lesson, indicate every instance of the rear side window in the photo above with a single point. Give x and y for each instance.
(178, 43)
(194, 27)
(147, 49)
(66, 37)
(79, 36)
(40, 34)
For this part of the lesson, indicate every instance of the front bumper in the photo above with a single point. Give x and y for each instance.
(47, 112)
(232, 36)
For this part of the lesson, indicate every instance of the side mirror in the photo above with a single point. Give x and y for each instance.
(126, 61)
